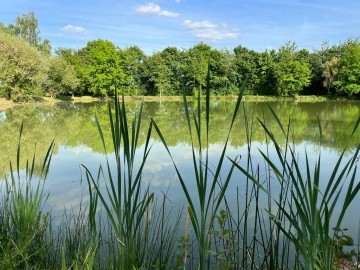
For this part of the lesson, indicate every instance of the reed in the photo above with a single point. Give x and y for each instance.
(305, 211)
(203, 207)
(125, 226)
(23, 223)
(126, 205)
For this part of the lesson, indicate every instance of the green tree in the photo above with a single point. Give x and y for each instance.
(291, 74)
(266, 83)
(77, 60)
(318, 60)
(101, 67)
(133, 59)
(27, 27)
(158, 75)
(246, 64)
(196, 61)
(22, 69)
(173, 59)
(348, 81)
(61, 77)
(330, 72)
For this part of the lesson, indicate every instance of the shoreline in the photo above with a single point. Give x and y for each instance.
(7, 104)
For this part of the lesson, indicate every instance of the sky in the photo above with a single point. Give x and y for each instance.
(224, 24)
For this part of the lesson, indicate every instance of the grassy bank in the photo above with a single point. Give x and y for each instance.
(124, 226)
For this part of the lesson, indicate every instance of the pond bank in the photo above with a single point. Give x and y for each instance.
(5, 104)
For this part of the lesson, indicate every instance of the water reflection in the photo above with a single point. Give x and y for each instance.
(77, 140)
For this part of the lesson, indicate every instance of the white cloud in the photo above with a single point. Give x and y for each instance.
(208, 30)
(154, 9)
(178, 1)
(74, 29)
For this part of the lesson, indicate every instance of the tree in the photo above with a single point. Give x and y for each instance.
(246, 64)
(101, 66)
(291, 74)
(266, 84)
(22, 69)
(27, 27)
(196, 61)
(77, 58)
(348, 81)
(133, 59)
(61, 77)
(330, 72)
(173, 59)
(222, 72)
(158, 75)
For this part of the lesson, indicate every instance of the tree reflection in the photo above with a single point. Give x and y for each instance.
(73, 124)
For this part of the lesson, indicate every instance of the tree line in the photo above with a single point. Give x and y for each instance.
(28, 68)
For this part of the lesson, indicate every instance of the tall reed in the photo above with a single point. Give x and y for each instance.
(207, 197)
(23, 223)
(305, 210)
(126, 205)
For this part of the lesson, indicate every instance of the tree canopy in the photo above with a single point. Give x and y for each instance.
(29, 69)
(22, 69)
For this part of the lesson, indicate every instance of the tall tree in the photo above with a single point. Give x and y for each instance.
(330, 72)
(22, 69)
(266, 83)
(291, 74)
(102, 69)
(173, 59)
(133, 59)
(348, 81)
(27, 27)
(246, 63)
(158, 75)
(196, 61)
(61, 77)
(222, 72)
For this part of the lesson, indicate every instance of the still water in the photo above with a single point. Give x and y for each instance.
(72, 126)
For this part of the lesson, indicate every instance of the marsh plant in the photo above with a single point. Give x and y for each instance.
(130, 208)
(305, 211)
(203, 207)
(125, 226)
(23, 224)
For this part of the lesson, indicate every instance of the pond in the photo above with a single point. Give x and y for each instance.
(73, 127)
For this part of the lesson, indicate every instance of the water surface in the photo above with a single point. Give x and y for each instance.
(72, 126)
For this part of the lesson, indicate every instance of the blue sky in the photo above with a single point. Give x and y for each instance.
(224, 24)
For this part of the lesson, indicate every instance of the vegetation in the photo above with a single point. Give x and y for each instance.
(124, 226)
(23, 69)
(136, 231)
(100, 67)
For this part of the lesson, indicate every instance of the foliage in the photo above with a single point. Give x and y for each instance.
(330, 72)
(158, 75)
(61, 77)
(133, 59)
(291, 74)
(196, 61)
(22, 69)
(101, 67)
(27, 27)
(348, 81)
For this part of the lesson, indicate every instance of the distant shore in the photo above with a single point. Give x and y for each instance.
(6, 104)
